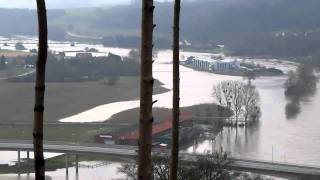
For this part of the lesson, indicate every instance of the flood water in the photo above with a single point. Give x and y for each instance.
(107, 172)
(295, 140)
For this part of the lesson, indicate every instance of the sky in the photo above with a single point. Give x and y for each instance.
(58, 4)
(51, 4)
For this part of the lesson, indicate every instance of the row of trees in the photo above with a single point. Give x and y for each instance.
(84, 69)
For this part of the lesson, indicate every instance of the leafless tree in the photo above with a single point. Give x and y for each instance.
(230, 94)
(251, 110)
(242, 99)
(176, 93)
(146, 91)
(39, 91)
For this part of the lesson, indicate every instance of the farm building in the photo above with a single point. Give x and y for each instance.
(132, 137)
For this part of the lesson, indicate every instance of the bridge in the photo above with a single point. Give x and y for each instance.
(285, 170)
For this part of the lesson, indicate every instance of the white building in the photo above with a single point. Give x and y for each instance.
(214, 65)
(225, 65)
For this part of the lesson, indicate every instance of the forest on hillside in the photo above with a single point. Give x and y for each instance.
(281, 28)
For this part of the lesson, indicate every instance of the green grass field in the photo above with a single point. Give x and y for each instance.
(64, 99)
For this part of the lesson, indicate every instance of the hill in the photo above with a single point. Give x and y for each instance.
(282, 28)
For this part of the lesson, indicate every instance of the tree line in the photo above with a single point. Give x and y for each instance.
(77, 69)
(256, 28)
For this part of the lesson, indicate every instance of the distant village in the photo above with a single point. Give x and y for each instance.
(17, 55)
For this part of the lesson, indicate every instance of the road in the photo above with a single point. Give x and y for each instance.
(292, 171)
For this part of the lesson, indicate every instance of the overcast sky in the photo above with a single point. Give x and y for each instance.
(54, 4)
(59, 3)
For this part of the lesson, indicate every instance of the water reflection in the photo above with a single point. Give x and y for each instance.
(231, 139)
(293, 109)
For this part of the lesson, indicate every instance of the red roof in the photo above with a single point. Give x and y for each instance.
(156, 128)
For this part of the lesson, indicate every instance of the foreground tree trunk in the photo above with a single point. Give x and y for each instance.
(146, 91)
(176, 93)
(39, 162)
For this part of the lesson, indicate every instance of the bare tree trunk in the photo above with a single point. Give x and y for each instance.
(146, 91)
(39, 91)
(176, 93)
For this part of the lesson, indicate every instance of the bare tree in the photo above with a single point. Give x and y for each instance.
(39, 91)
(242, 99)
(230, 94)
(251, 110)
(146, 91)
(176, 93)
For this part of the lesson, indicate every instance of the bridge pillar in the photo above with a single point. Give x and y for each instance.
(77, 164)
(67, 167)
(19, 158)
